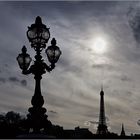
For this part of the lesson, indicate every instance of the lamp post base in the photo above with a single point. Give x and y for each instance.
(37, 120)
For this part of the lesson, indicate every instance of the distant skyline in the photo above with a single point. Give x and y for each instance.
(72, 90)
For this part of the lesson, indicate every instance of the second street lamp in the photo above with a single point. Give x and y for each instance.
(38, 35)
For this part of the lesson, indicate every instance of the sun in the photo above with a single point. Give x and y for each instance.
(99, 45)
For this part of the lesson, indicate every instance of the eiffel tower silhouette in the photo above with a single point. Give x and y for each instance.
(102, 126)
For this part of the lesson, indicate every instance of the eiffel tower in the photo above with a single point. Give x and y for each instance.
(102, 126)
(122, 132)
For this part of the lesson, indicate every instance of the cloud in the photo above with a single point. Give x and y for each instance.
(134, 21)
(53, 112)
(16, 80)
(96, 122)
(125, 78)
(2, 80)
(13, 79)
(103, 66)
(23, 82)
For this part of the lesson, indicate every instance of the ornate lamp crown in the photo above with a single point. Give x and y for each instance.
(38, 34)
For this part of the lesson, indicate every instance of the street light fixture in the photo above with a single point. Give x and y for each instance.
(53, 52)
(24, 59)
(38, 35)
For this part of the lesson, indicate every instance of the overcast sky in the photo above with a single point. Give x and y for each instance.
(72, 90)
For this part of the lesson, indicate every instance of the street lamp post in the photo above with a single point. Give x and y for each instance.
(38, 35)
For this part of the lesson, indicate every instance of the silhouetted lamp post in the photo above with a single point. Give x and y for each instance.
(38, 35)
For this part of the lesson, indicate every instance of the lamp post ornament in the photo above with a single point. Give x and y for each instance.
(38, 35)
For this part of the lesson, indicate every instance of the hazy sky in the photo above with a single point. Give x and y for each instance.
(71, 90)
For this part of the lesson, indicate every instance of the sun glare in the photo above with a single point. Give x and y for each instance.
(99, 45)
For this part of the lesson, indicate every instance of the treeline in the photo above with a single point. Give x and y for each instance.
(11, 124)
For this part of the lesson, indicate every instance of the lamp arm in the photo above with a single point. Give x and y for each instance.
(50, 67)
(27, 71)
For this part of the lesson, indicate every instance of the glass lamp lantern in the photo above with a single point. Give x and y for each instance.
(53, 52)
(24, 59)
(38, 34)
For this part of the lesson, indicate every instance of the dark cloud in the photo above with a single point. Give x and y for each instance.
(6, 65)
(125, 78)
(14, 79)
(102, 66)
(129, 93)
(53, 112)
(23, 82)
(2, 80)
(134, 22)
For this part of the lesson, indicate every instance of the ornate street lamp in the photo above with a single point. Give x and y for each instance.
(38, 35)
